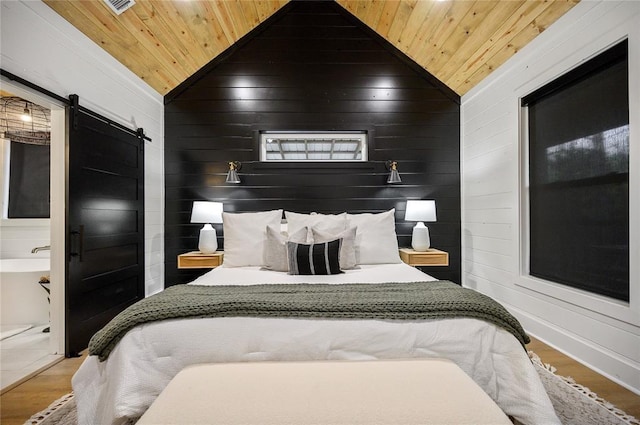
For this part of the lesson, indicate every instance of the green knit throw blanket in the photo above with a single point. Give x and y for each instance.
(380, 301)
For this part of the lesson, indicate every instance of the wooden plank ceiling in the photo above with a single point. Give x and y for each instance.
(458, 41)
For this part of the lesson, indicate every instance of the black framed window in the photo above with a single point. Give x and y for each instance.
(29, 181)
(579, 176)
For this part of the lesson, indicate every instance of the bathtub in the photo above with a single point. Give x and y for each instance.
(24, 301)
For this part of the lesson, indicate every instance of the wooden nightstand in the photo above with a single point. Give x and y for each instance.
(431, 257)
(198, 260)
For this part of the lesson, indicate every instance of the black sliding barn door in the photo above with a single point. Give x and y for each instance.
(105, 241)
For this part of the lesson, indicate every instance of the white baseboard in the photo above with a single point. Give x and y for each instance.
(597, 358)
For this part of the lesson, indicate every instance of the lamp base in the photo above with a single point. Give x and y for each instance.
(420, 240)
(208, 242)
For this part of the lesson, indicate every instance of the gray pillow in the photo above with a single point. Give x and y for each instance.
(275, 247)
(348, 248)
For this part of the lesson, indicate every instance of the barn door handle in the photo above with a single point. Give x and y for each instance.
(77, 243)
(81, 237)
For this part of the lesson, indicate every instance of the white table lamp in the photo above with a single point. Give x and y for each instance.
(207, 212)
(420, 211)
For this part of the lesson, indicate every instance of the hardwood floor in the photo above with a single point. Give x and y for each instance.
(18, 404)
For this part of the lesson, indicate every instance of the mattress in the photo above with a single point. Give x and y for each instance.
(365, 273)
(150, 355)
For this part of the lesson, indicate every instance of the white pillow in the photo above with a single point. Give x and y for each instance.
(327, 222)
(275, 247)
(347, 249)
(376, 240)
(244, 236)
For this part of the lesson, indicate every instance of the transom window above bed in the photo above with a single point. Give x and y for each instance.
(313, 146)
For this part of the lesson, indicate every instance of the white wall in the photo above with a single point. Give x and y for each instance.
(601, 333)
(19, 237)
(38, 45)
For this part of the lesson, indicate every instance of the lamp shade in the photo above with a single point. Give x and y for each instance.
(232, 177)
(420, 211)
(206, 212)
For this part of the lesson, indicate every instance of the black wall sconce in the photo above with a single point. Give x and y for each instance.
(394, 176)
(232, 175)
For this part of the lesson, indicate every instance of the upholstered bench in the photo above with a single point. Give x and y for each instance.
(432, 391)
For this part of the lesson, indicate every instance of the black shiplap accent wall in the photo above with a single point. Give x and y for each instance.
(312, 66)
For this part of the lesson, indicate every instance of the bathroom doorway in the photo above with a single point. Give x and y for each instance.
(22, 354)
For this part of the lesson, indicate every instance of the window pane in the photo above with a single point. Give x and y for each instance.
(579, 181)
(313, 146)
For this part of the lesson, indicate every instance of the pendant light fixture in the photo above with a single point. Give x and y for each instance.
(26, 115)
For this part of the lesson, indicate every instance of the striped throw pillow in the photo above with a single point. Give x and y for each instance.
(320, 258)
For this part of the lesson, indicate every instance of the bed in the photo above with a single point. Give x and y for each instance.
(118, 387)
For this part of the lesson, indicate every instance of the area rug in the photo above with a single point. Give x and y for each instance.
(60, 412)
(574, 403)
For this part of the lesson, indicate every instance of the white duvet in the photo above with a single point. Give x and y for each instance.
(149, 356)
